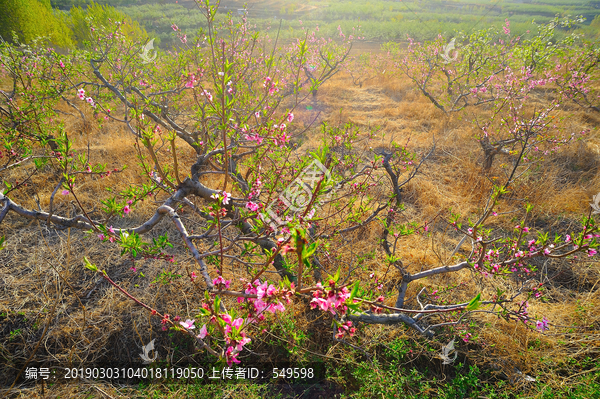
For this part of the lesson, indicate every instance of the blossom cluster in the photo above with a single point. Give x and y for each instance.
(191, 81)
(270, 85)
(256, 188)
(345, 328)
(267, 299)
(254, 137)
(259, 297)
(235, 339)
(330, 299)
(494, 261)
(182, 36)
(81, 95)
(224, 196)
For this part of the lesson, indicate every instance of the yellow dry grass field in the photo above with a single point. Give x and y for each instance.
(52, 306)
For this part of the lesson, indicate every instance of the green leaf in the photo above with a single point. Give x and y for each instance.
(354, 291)
(308, 251)
(89, 265)
(204, 312)
(336, 277)
(354, 307)
(499, 293)
(217, 304)
(475, 303)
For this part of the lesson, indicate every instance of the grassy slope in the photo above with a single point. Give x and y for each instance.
(402, 363)
(379, 20)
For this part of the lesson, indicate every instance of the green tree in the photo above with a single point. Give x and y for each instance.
(30, 19)
(594, 28)
(68, 4)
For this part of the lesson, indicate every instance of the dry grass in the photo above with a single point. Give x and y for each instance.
(46, 296)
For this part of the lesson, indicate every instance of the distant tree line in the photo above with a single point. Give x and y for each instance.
(23, 21)
(68, 4)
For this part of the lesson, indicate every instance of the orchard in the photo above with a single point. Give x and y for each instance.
(207, 197)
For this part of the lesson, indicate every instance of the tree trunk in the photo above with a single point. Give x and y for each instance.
(489, 151)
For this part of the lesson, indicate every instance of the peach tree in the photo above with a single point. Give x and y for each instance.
(497, 71)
